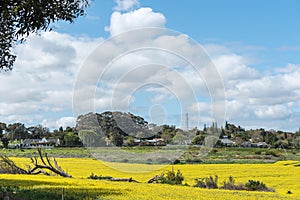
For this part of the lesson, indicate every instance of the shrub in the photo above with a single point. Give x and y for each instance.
(258, 152)
(208, 182)
(177, 161)
(230, 185)
(200, 182)
(212, 182)
(171, 178)
(96, 177)
(272, 153)
(253, 185)
(214, 151)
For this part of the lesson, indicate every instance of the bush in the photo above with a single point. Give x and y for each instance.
(96, 177)
(272, 153)
(253, 185)
(200, 182)
(230, 185)
(214, 151)
(212, 183)
(177, 161)
(208, 182)
(258, 152)
(172, 178)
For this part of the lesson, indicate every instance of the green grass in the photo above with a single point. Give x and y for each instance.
(74, 152)
(159, 155)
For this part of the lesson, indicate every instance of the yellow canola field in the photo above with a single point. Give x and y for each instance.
(282, 176)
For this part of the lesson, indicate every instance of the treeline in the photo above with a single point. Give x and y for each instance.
(17, 132)
(126, 129)
(123, 129)
(274, 138)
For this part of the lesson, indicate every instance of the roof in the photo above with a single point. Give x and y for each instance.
(227, 141)
(43, 140)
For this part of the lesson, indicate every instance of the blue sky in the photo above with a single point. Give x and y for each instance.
(266, 30)
(254, 45)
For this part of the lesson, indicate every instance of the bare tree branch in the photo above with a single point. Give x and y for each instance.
(7, 166)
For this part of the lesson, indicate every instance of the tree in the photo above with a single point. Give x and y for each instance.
(38, 132)
(198, 139)
(117, 137)
(2, 128)
(17, 131)
(19, 18)
(5, 142)
(71, 139)
(41, 164)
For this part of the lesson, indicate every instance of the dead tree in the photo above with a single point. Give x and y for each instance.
(40, 164)
(123, 180)
(156, 178)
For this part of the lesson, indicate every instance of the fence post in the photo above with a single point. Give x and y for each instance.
(62, 193)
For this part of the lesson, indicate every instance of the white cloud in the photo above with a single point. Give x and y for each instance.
(143, 17)
(273, 112)
(40, 86)
(66, 121)
(233, 67)
(125, 5)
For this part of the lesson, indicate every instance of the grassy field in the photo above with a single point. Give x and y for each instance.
(282, 176)
(165, 155)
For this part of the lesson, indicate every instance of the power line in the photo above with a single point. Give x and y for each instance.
(187, 121)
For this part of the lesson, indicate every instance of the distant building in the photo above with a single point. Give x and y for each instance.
(255, 145)
(228, 143)
(152, 142)
(40, 143)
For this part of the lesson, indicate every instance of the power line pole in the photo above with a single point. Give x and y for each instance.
(187, 121)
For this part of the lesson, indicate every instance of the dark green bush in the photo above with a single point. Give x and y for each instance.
(212, 183)
(208, 182)
(177, 161)
(200, 182)
(253, 185)
(258, 152)
(230, 185)
(172, 178)
(272, 153)
(96, 177)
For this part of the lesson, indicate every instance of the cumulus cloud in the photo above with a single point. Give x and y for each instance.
(66, 121)
(143, 17)
(40, 89)
(125, 5)
(40, 86)
(273, 112)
